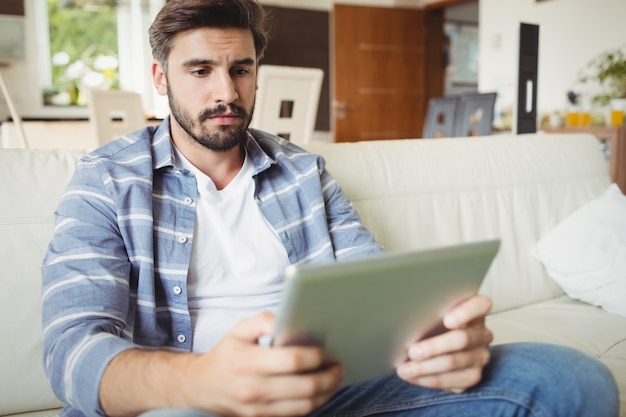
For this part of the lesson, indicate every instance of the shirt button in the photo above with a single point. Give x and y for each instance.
(181, 338)
(177, 290)
(188, 201)
(182, 239)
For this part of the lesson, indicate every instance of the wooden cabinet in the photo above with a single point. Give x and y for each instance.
(614, 138)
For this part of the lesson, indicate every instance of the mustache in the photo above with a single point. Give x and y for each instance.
(222, 108)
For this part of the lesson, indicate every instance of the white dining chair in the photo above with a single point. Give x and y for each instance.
(115, 113)
(287, 101)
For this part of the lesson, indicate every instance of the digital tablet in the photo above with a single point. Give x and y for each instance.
(365, 313)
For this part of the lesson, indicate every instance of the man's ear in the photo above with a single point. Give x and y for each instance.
(158, 77)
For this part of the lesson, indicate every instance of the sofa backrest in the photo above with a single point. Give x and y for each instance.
(31, 184)
(417, 194)
(410, 193)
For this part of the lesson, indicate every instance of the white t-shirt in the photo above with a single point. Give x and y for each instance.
(237, 259)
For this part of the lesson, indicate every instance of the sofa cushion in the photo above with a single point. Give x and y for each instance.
(568, 322)
(31, 186)
(586, 252)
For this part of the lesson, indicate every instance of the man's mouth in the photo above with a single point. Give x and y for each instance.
(225, 118)
(221, 115)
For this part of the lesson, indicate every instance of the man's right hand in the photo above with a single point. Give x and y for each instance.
(244, 378)
(237, 377)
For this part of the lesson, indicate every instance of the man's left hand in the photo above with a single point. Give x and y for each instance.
(452, 361)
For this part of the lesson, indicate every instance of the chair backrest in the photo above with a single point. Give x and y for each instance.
(287, 100)
(115, 113)
(439, 122)
(474, 115)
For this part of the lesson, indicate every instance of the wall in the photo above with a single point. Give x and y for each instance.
(571, 33)
(466, 13)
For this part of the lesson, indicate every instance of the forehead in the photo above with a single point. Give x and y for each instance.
(212, 43)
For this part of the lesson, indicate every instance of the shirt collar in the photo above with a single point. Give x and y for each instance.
(260, 159)
(162, 149)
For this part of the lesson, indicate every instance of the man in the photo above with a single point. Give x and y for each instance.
(155, 293)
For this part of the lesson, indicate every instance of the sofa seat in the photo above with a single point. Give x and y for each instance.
(567, 322)
(53, 412)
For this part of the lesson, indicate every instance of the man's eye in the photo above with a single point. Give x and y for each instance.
(241, 71)
(199, 72)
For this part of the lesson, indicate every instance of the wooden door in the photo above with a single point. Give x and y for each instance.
(378, 73)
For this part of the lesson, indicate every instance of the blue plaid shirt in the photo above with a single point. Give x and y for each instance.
(115, 273)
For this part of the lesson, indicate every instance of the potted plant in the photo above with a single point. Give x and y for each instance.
(608, 70)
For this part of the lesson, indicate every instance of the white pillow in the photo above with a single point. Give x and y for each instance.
(586, 253)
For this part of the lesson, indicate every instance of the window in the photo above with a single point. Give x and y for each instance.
(95, 44)
(83, 49)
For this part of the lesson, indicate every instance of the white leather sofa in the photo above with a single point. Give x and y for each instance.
(411, 193)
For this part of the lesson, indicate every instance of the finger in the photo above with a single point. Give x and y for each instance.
(455, 362)
(322, 384)
(288, 395)
(451, 341)
(456, 382)
(279, 360)
(472, 309)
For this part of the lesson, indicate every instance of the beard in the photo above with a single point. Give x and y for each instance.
(221, 140)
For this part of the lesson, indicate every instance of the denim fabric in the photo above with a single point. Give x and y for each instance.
(521, 380)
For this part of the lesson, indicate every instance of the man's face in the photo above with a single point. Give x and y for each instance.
(211, 85)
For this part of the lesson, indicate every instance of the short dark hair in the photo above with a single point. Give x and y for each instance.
(183, 15)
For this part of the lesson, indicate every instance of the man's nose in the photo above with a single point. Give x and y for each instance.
(224, 90)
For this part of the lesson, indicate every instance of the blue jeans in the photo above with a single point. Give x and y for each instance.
(522, 379)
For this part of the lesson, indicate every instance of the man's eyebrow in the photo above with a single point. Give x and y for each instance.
(197, 62)
(245, 61)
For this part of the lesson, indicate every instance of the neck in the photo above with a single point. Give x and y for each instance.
(221, 167)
